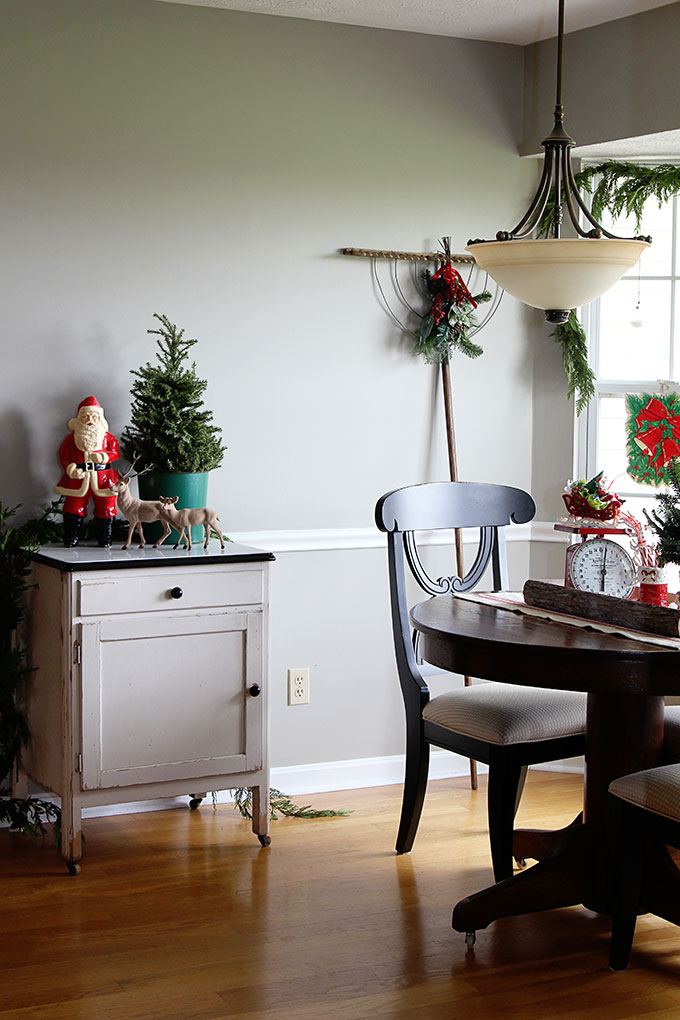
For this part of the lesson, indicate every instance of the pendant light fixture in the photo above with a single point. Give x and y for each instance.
(553, 273)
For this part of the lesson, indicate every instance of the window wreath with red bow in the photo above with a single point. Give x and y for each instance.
(653, 436)
(450, 321)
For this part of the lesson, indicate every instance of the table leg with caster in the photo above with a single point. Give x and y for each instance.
(561, 880)
(196, 800)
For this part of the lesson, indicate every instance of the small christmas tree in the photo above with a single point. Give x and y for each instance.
(664, 520)
(170, 430)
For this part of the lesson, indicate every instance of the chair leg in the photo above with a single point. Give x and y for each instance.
(627, 853)
(415, 783)
(503, 794)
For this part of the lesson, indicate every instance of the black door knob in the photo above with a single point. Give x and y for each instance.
(254, 690)
(176, 593)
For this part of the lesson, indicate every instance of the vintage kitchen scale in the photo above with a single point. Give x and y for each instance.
(597, 563)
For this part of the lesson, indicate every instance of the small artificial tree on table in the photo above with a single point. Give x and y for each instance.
(664, 520)
(170, 430)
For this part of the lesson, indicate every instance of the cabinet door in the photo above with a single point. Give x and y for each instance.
(166, 697)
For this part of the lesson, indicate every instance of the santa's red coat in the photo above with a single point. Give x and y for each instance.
(95, 483)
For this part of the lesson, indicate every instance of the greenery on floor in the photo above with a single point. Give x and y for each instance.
(280, 804)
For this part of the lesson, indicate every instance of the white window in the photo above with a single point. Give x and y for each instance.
(634, 337)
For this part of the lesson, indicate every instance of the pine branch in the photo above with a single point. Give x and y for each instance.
(580, 376)
(621, 189)
(280, 804)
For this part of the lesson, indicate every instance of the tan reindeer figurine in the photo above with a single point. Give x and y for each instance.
(137, 511)
(182, 520)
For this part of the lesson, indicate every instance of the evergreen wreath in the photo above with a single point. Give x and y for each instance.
(655, 465)
(619, 188)
(446, 327)
(170, 430)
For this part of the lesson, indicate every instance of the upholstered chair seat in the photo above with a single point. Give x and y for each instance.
(503, 714)
(645, 819)
(656, 790)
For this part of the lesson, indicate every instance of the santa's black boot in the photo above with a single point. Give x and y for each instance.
(72, 526)
(104, 529)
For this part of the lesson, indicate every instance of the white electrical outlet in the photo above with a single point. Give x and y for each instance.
(298, 686)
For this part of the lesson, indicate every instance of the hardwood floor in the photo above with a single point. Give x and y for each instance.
(180, 915)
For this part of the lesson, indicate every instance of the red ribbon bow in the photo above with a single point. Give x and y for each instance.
(458, 292)
(654, 440)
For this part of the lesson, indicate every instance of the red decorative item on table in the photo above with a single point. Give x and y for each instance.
(85, 455)
(653, 586)
(591, 500)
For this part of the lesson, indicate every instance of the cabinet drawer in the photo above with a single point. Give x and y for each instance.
(135, 593)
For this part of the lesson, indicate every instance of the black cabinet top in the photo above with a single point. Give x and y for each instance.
(85, 557)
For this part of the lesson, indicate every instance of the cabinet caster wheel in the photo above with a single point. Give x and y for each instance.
(521, 862)
(470, 939)
(194, 802)
(264, 840)
(73, 867)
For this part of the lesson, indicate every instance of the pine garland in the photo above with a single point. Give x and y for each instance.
(169, 428)
(619, 188)
(580, 376)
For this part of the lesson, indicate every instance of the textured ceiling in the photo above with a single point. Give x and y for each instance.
(663, 145)
(510, 21)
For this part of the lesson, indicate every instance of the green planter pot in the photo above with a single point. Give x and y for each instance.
(191, 490)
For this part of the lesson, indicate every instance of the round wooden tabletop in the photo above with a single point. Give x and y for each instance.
(498, 644)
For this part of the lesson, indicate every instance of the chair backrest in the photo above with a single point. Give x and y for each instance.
(437, 506)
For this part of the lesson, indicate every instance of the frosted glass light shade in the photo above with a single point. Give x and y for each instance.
(557, 273)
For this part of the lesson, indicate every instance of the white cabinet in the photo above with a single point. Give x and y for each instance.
(151, 678)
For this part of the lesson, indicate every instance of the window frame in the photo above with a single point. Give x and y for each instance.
(587, 431)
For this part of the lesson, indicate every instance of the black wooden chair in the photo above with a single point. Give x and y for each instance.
(644, 812)
(505, 726)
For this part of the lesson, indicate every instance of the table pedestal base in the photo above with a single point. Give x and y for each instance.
(559, 880)
(575, 871)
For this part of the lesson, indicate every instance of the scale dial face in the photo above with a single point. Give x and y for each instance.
(603, 566)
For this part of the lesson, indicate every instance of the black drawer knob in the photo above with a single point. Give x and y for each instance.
(176, 593)
(254, 690)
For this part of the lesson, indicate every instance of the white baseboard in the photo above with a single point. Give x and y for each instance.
(325, 777)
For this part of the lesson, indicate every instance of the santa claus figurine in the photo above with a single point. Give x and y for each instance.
(85, 456)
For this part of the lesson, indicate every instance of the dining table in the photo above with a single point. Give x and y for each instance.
(625, 680)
